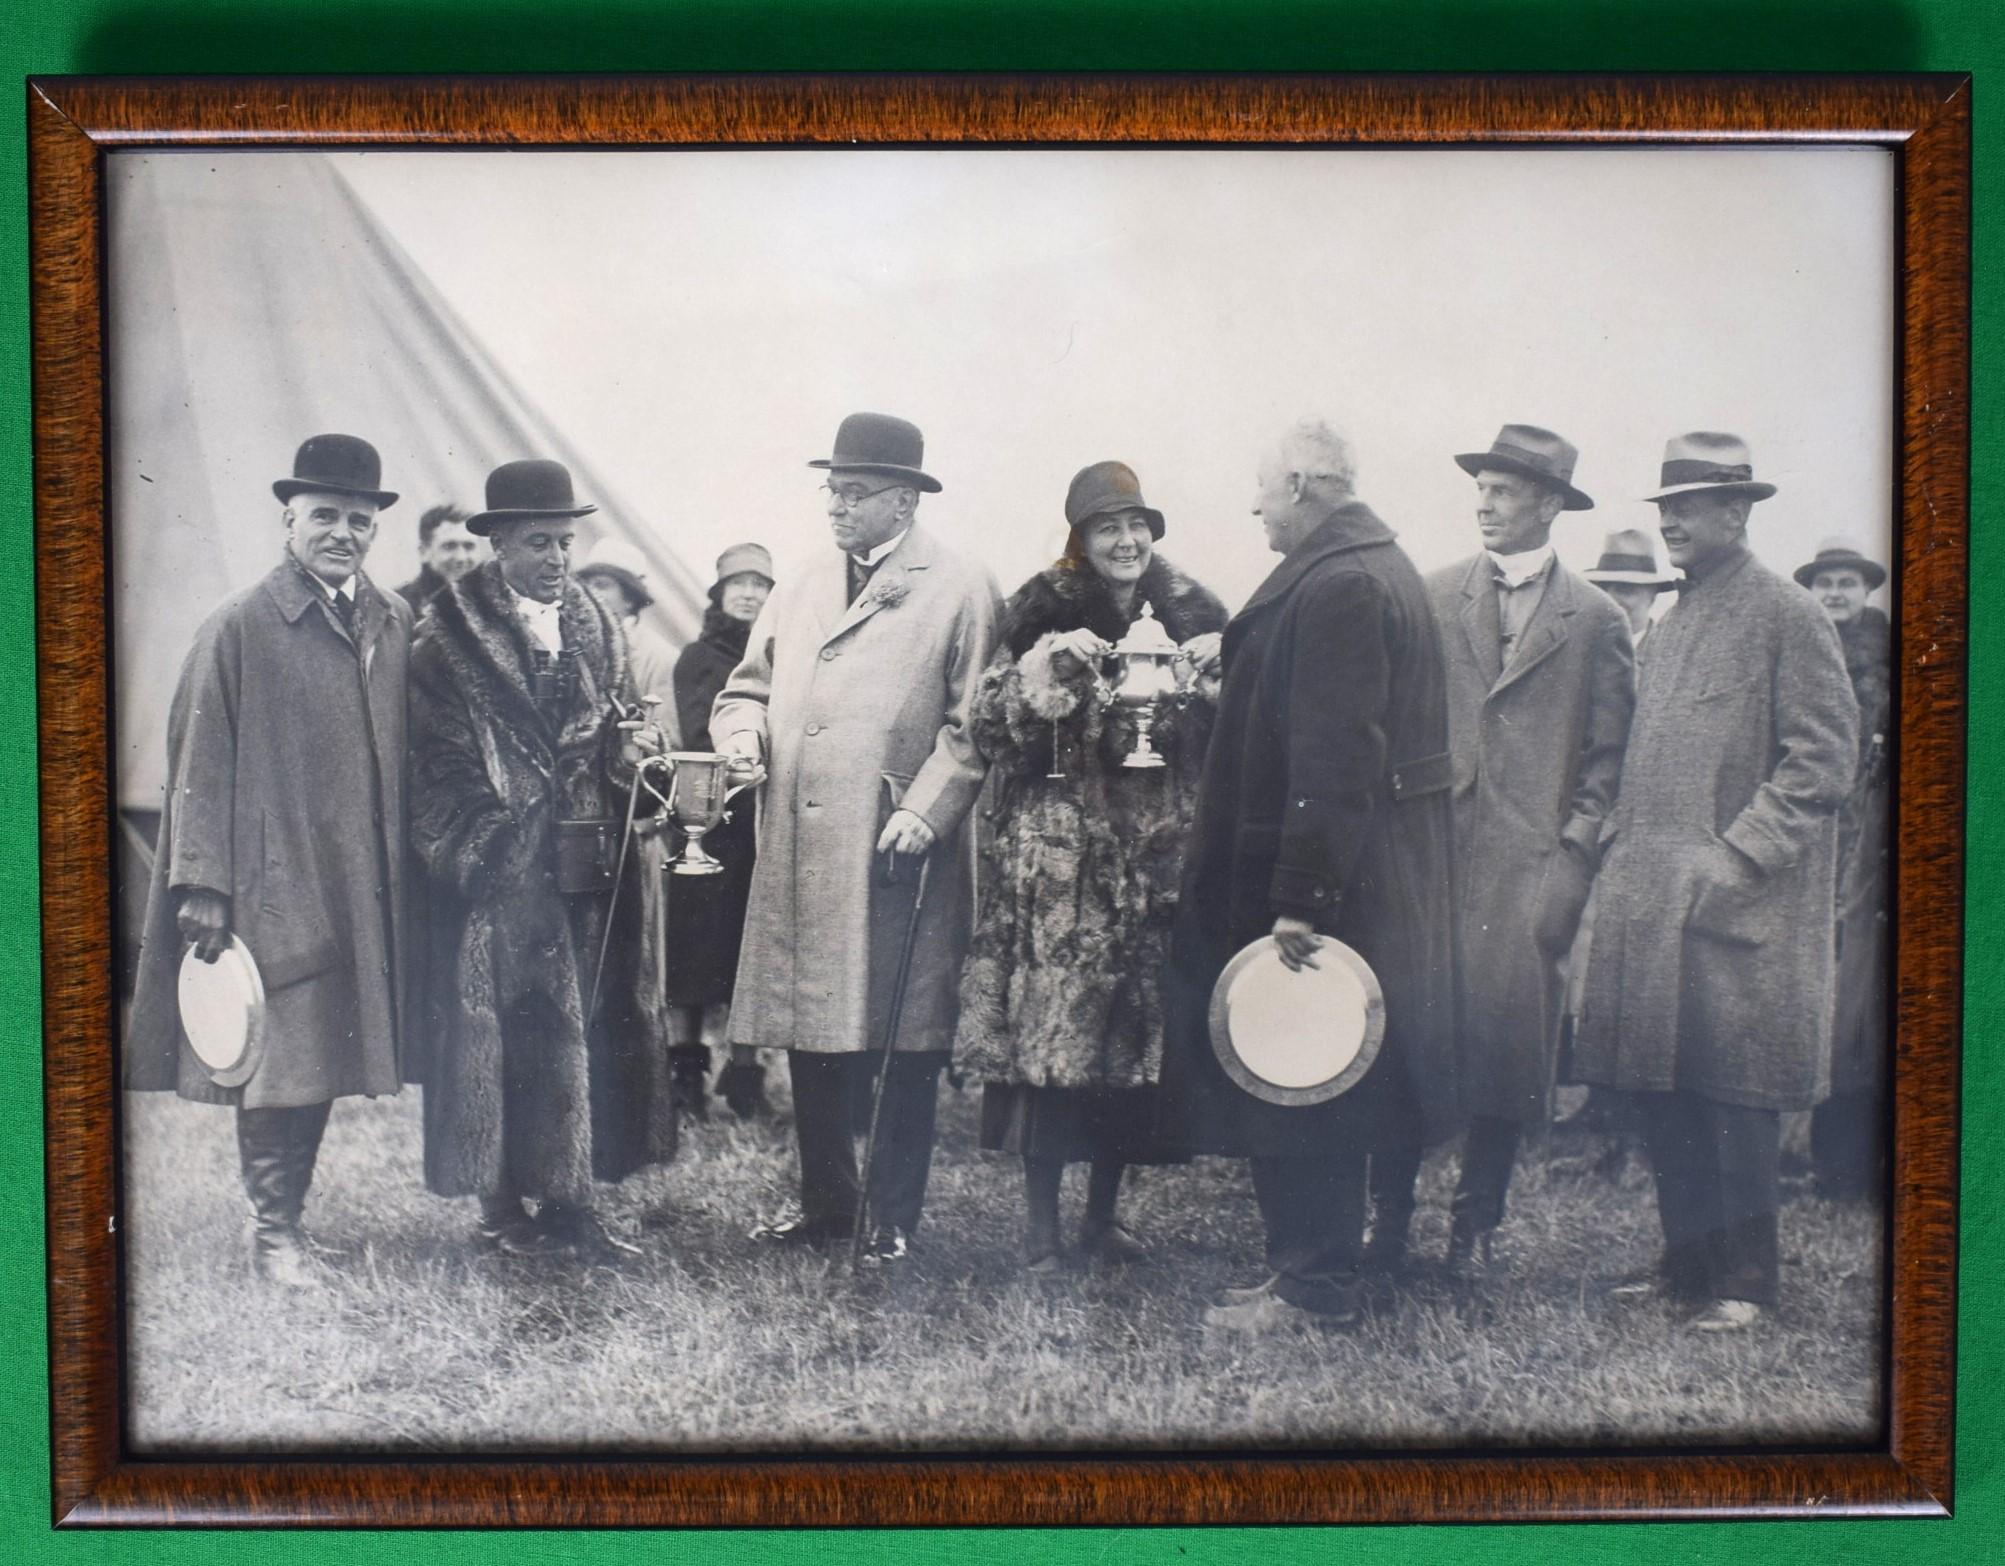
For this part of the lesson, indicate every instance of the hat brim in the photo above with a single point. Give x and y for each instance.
(1754, 489)
(286, 488)
(1474, 462)
(629, 584)
(1874, 573)
(917, 479)
(717, 587)
(482, 523)
(1629, 579)
(1157, 527)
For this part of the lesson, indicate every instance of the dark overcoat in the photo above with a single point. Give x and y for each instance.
(1745, 738)
(491, 777)
(285, 792)
(1325, 797)
(1080, 872)
(1865, 827)
(1537, 747)
(861, 707)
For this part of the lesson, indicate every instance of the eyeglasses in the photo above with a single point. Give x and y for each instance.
(853, 496)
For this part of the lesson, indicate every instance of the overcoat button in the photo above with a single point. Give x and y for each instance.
(828, 655)
(814, 728)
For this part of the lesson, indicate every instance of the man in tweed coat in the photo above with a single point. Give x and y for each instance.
(855, 693)
(1710, 976)
(1541, 682)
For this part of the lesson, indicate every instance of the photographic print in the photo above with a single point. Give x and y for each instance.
(1145, 800)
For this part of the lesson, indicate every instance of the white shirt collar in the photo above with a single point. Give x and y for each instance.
(876, 556)
(1520, 568)
(542, 619)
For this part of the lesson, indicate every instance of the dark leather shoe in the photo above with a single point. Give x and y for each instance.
(790, 1227)
(888, 1247)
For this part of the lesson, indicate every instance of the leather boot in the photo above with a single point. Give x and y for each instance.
(276, 1149)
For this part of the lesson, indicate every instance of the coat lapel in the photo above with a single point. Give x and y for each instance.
(1481, 622)
(1549, 627)
(898, 570)
(1349, 526)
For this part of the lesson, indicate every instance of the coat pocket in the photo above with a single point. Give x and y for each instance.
(1734, 912)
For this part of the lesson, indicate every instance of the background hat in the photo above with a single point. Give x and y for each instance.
(739, 560)
(1707, 459)
(878, 443)
(618, 561)
(1629, 556)
(1104, 487)
(1841, 554)
(337, 465)
(532, 488)
(1536, 453)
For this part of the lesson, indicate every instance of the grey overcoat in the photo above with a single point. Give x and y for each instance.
(1708, 973)
(285, 792)
(1537, 748)
(860, 709)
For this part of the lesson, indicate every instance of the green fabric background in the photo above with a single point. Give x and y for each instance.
(121, 36)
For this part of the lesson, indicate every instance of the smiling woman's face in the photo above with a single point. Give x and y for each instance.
(1118, 545)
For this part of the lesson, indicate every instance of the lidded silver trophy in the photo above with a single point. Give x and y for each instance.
(1148, 660)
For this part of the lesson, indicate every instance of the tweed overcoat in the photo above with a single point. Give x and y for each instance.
(1707, 973)
(285, 792)
(1079, 873)
(1325, 796)
(491, 777)
(860, 708)
(1537, 747)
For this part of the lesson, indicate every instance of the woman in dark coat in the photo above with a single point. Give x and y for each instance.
(1061, 1010)
(706, 914)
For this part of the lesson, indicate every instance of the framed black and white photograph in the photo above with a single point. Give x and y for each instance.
(947, 800)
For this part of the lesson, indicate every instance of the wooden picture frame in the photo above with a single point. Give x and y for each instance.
(75, 122)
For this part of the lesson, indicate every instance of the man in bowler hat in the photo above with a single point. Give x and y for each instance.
(1710, 975)
(1541, 682)
(283, 826)
(855, 695)
(550, 1058)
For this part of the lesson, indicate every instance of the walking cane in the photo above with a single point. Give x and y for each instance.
(626, 843)
(898, 986)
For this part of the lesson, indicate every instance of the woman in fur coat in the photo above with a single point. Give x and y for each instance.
(1081, 858)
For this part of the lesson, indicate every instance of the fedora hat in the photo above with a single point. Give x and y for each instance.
(1707, 459)
(1841, 554)
(535, 487)
(741, 560)
(1628, 556)
(1536, 453)
(336, 465)
(1105, 487)
(878, 443)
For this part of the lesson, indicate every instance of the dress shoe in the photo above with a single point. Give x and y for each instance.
(1247, 1294)
(793, 1229)
(1111, 1244)
(1727, 1316)
(889, 1246)
(1270, 1315)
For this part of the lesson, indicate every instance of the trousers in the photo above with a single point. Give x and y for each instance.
(832, 1095)
(276, 1150)
(1717, 1169)
(1489, 1154)
(1314, 1213)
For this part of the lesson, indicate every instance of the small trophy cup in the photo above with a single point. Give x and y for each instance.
(696, 799)
(1148, 661)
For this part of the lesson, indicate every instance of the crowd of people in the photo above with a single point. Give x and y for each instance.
(1578, 837)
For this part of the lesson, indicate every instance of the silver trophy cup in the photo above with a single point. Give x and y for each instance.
(696, 799)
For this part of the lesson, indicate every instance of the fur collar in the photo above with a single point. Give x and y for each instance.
(488, 647)
(1067, 595)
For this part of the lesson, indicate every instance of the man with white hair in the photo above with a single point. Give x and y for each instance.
(1323, 813)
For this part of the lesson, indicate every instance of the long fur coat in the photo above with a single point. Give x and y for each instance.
(1079, 873)
(491, 777)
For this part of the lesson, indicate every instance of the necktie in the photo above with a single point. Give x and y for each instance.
(344, 606)
(859, 577)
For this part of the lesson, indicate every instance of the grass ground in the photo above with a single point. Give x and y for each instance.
(710, 1344)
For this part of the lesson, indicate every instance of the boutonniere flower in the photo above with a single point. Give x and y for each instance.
(888, 594)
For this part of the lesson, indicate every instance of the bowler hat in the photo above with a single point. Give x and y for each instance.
(535, 487)
(741, 560)
(879, 443)
(336, 465)
(1628, 556)
(1707, 459)
(1841, 554)
(1536, 453)
(1105, 487)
